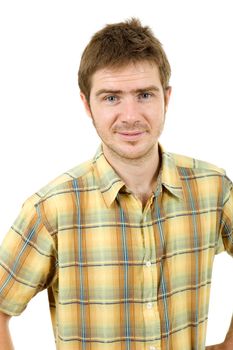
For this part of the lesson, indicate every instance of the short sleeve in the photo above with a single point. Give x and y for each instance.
(27, 260)
(225, 241)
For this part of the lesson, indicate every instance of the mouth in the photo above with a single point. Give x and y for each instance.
(131, 135)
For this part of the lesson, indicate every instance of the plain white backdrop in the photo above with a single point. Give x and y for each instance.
(44, 130)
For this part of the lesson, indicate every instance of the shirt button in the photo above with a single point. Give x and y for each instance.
(148, 263)
(149, 306)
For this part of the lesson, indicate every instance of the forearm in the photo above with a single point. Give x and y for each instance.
(229, 336)
(5, 338)
(5, 341)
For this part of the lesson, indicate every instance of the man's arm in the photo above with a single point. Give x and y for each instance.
(229, 336)
(5, 338)
(228, 342)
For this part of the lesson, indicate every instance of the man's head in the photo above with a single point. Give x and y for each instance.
(123, 78)
(118, 45)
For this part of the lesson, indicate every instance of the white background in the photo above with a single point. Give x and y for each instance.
(44, 130)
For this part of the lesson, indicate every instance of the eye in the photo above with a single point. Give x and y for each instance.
(145, 96)
(110, 98)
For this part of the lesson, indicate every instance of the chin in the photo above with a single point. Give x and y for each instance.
(133, 154)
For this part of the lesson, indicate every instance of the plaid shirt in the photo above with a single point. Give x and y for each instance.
(119, 277)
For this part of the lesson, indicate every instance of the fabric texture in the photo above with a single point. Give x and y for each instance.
(120, 276)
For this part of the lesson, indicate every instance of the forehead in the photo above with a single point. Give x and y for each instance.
(133, 75)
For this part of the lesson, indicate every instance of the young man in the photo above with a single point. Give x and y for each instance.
(125, 242)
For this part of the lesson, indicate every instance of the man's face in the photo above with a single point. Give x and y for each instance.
(128, 106)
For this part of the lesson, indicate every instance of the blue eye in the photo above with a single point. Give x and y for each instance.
(111, 98)
(145, 95)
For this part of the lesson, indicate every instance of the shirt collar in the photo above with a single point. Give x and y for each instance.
(110, 183)
(169, 174)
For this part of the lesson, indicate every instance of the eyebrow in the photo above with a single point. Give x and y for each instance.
(112, 91)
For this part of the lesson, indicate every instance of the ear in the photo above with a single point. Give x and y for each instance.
(167, 96)
(86, 104)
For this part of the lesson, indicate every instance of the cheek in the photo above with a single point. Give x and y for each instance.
(156, 113)
(101, 121)
(104, 116)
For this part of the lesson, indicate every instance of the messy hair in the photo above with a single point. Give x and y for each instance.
(117, 45)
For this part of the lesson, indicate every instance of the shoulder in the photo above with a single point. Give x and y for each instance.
(63, 182)
(197, 165)
(207, 175)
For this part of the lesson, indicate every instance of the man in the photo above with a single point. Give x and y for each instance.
(125, 242)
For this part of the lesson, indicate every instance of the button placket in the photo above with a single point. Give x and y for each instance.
(151, 315)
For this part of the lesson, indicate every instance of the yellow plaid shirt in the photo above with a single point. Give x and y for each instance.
(119, 277)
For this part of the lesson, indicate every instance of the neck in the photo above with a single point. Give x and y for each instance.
(139, 175)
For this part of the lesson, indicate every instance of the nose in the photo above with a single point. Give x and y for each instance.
(130, 111)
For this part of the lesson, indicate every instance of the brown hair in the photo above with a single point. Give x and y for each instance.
(117, 45)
